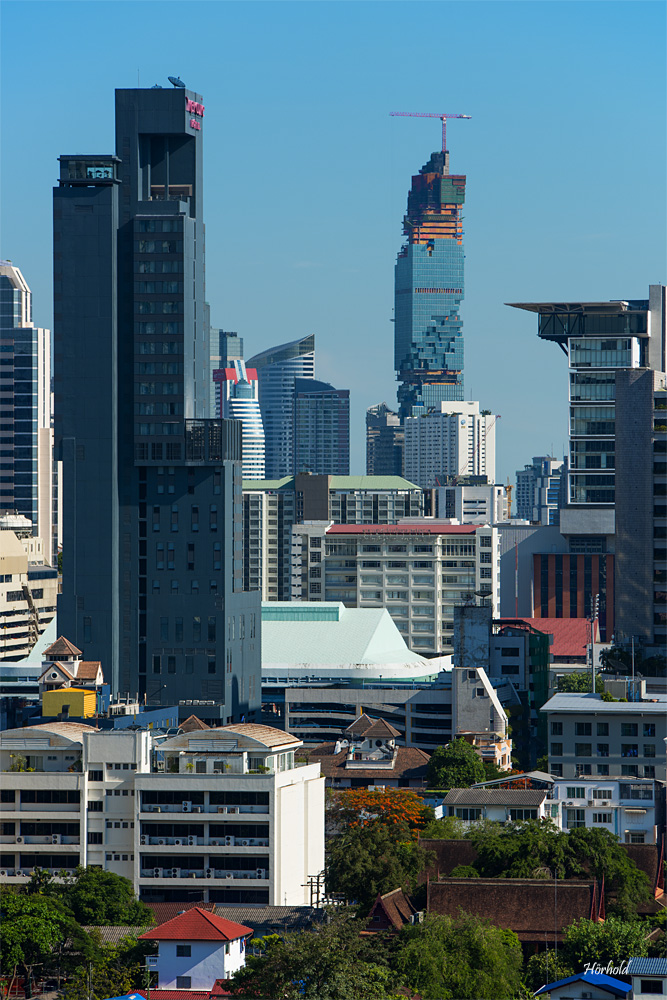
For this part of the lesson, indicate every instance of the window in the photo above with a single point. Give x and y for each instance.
(629, 750)
(603, 749)
(576, 792)
(582, 749)
(649, 729)
(602, 793)
(575, 818)
(603, 729)
(96, 807)
(99, 775)
(183, 982)
(651, 985)
(602, 817)
(556, 728)
(603, 769)
(583, 770)
(582, 729)
(183, 951)
(94, 838)
(649, 749)
(628, 729)
(470, 815)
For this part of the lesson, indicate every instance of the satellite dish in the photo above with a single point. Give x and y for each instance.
(176, 81)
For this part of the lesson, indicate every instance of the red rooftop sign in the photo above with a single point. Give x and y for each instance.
(193, 108)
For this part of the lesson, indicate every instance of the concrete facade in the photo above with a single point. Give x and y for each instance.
(456, 439)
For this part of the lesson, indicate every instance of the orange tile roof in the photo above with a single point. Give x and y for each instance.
(61, 647)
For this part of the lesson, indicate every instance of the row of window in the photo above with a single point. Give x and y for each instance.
(586, 729)
(602, 750)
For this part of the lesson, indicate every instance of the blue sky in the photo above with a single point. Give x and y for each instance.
(306, 175)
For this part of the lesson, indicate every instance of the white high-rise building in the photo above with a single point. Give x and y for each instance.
(538, 490)
(455, 440)
(239, 400)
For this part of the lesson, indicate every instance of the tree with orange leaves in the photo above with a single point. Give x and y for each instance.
(357, 807)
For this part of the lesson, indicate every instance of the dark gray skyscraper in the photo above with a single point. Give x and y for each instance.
(384, 442)
(152, 534)
(321, 428)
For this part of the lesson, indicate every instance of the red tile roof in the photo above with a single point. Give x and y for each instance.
(394, 909)
(410, 764)
(87, 670)
(197, 924)
(571, 635)
(61, 647)
(192, 724)
(176, 994)
(165, 911)
(402, 529)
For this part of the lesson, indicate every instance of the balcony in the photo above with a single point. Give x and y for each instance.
(218, 810)
(208, 874)
(51, 839)
(192, 841)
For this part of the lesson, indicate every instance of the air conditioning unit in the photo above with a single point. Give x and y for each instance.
(157, 873)
(214, 843)
(175, 872)
(3, 872)
(244, 843)
(179, 842)
(217, 771)
(143, 840)
(196, 809)
(222, 809)
(261, 873)
(192, 841)
(55, 838)
(233, 809)
(187, 807)
(229, 841)
(19, 840)
(229, 875)
(161, 843)
(210, 873)
(605, 803)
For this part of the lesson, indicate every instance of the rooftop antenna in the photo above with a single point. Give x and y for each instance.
(443, 116)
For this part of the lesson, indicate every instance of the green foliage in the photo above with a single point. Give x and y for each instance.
(33, 930)
(543, 968)
(537, 849)
(330, 963)
(463, 958)
(365, 860)
(613, 941)
(98, 897)
(116, 971)
(579, 683)
(447, 828)
(457, 765)
(464, 871)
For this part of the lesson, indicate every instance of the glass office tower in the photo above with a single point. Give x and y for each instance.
(26, 443)
(428, 334)
(152, 537)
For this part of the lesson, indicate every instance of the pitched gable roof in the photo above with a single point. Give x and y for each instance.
(410, 763)
(359, 726)
(87, 670)
(56, 666)
(381, 730)
(191, 724)
(61, 647)
(614, 987)
(395, 907)
(197, 924)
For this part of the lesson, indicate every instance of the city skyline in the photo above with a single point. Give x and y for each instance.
(543, 154)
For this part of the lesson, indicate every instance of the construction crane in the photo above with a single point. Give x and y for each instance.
(443, 116)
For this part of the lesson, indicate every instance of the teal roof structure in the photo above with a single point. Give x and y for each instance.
(323, 633)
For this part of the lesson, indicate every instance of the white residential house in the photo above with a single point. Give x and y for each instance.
(630, 808)
(649, 977)
(196, 949)
(500, 805)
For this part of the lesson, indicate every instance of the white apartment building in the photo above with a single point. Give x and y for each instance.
(224, 815)
(418, 570)
(538, 490)
(631, 809)
(589, 736)
(467, 504)
(28, 588)
(456, 440)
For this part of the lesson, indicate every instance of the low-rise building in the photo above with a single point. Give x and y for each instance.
(196, 949)
(499, 805)
(633, 810)
(418, 569)
(223, 815)
(590, 985)
(28, 588)
(589, 736)
(367, 755)
(649, 977)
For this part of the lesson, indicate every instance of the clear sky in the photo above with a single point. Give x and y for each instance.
(306, 175)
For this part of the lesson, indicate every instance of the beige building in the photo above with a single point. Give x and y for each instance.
(28, 588)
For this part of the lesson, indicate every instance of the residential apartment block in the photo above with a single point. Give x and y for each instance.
(589, 736)
(384, 441)
(538, 490)
(454, 439)
(272, 506)
(418, 570)
(224, 815)
(28, 588)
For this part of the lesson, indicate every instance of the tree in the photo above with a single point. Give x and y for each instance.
(374, 858)
(464, 958)
(536, 848)
(457, 765)
(394, 806)
(33, 928)
(579, 682)
(116, 970)
(447, 828)
(544, 968)
(464, 871)
(331, 962)
(613, 941)
(98, 897)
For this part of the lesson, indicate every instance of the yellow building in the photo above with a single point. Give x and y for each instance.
(82, 704)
